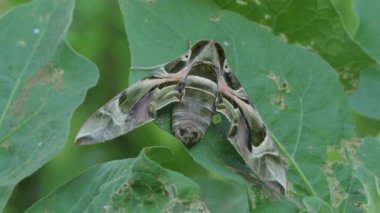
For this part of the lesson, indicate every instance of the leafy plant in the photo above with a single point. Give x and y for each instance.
(296, 60)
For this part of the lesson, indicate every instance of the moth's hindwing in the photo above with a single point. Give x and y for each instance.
(130, 109)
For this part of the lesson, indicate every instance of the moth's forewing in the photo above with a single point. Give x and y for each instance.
(130, 109)
(249, 135)
(136, 105)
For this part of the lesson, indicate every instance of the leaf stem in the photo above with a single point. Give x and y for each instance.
(298, 169)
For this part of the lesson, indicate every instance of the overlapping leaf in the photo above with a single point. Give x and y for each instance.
(368, 174)
(41, 83)
(313, 24)
(137, 185)
(371, 185)
(368, 152)
(297, 93)
(366, 99)
(314, 205)
(353, 167)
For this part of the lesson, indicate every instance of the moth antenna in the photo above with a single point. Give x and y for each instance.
(189, 43)
(147, 69)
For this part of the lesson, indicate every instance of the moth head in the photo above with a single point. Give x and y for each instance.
(209, 52)
(185, 57)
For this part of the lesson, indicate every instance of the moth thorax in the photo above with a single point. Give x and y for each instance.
(192, 116)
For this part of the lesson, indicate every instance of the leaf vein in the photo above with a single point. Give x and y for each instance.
(18, 81)
(26, 121)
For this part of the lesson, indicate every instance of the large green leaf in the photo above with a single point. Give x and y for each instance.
(42, 81)
(366, 99)
(356, 164)
(371, 186)
(368, 30)
(346, 195)
(313, 24)
(316, 205)
(369, 172)
(216, 189)
(297, 93)
(131, 185)
(368, 153)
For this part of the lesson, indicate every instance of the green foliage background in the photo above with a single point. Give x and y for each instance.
(347, 41)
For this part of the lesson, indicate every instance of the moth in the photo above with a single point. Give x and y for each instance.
(197, 84)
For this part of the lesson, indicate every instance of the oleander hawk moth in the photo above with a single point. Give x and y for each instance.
(197, 84)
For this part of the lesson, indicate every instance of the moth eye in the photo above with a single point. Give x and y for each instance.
(225, 66)
(187, 56)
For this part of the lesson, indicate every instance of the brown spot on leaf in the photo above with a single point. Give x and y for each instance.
(337, 193)
(351, 146)
(346, 155)
(22, 43)
(349, 80)
(336, 155)
(279, 101)
(281, 84)
(217, 18)
(47, 76)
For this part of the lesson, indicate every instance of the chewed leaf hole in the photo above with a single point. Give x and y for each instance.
(281, 84)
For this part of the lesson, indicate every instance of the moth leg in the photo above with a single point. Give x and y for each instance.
(263, 158)
(130, 109)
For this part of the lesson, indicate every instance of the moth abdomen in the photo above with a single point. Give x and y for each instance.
(192, 116)
(190, 120)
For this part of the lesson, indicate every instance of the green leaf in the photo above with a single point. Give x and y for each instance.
(365, 126)
(369, 172)
(303, 121)
(137, 185)
(368, 31)
(216, 190)
(214, 187)
(368, 153)
(42, 82)
(366, 100)
(347, 13)
(371, 185)
(314, 205)
(314, 24)
(346, 190)
(263, 204)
